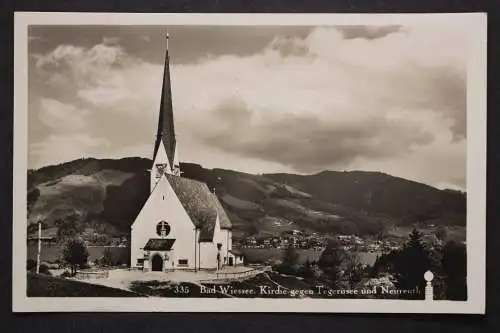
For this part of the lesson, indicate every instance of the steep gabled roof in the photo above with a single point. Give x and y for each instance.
(166, 132)
(201, 205)
(207, 230)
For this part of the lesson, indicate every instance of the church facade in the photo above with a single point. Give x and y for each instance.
(182, 225)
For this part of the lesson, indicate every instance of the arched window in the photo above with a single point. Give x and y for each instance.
(162, 229)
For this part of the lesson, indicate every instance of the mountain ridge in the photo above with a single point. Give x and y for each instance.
(107, 194)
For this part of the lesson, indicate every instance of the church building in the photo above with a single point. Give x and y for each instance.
(182, 225)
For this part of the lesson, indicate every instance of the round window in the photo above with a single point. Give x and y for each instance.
(162, 229)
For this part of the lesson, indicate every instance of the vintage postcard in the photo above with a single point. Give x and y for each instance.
(249, 163)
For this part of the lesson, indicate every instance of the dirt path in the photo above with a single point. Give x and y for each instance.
(276, 283)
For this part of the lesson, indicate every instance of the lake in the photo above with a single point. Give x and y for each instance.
(50, 253)
(261, 255)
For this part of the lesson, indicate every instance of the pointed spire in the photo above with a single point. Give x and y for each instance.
(166, 132)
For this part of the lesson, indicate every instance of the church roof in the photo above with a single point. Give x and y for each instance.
(201, 205)
(159, 244)
(166, 132)
(207, 230)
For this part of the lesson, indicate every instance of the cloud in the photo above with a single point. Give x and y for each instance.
(61, 117)
(110, 40)
(308, 143)
(326, 102)
(72, 66)
(35, 38)
(367, 32)
(389, 99)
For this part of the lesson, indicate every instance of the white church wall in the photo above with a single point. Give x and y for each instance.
(238, 260)
(160, 158)
(225, 245)
(163, 204)
(222, 236)
(176, 162)
(208, 255)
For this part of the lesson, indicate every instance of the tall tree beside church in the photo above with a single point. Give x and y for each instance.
(454, 268)
(411, 264)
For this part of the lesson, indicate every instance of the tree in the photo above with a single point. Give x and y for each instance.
(289, 262)
(75, 254)
(30, 265)
(107, 257)
(441, 233)
(33, 195)
(307, 270)
(353, 268)
(411, 263)
(330, 262)
(454, 267)
(66, 227)
(384, 263)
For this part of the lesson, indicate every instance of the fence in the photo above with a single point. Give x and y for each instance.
(233, 276)
(91, 275)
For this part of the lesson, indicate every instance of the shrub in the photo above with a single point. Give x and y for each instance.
(30, 265)
(66, 274)
(75, 254)
(45, 270)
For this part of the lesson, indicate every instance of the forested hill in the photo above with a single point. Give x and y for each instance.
(106, 195)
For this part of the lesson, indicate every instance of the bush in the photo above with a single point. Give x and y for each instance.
(30, 265)
(45, 270)
(330, 262)
(75, 254)
(66, 274)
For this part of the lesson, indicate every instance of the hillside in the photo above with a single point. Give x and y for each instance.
(404, 200)
(106, 195)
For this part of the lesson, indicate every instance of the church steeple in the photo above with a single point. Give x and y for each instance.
(166, 132)
(165, 149)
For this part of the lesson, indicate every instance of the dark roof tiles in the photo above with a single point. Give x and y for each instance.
(201, 205)
(159, 244)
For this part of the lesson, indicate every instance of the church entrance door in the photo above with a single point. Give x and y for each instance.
(157, 263)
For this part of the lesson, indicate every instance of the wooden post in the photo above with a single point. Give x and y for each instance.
(429, 290)
(39, 248)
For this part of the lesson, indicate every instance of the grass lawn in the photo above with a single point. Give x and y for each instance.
(47, 286)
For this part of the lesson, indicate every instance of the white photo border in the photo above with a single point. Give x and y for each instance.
(476, 169)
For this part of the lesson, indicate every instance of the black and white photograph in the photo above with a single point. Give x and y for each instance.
(329, 163)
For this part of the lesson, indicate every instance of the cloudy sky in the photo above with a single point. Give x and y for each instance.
(256, 99)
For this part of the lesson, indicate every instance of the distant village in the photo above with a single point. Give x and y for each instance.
(302, 240)
(294, 238)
